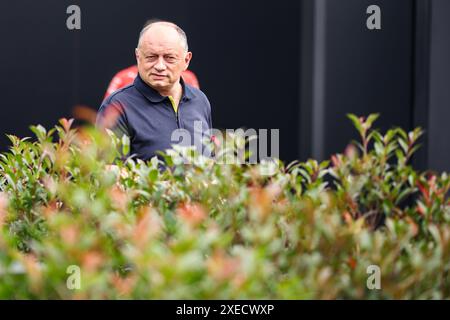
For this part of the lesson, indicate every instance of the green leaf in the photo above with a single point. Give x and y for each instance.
(356, 122)
(125, 145)
(371, 119)
(153, 175)
(378, 148)
(40, 132)
(389, 136)
(403, 145)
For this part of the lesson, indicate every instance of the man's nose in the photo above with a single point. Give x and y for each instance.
(160, 66)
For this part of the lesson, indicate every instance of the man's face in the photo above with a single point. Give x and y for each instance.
(161, 57)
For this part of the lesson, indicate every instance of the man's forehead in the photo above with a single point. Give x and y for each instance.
(162, 34)
(157, 47)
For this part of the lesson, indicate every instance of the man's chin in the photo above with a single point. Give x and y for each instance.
(158, 84)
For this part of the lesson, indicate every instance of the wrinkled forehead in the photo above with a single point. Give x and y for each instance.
(161, 38)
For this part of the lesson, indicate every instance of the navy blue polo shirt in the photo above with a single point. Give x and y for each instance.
(149, 119)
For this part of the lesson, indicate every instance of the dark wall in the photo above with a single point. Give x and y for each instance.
(36, 65)
(401, 71)
(357, 70)
(244, 53)
(367, 71)
(439, 116)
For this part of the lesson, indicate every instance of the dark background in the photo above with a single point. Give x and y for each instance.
(299, 66)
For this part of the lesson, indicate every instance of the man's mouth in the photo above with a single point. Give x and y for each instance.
(158, 75)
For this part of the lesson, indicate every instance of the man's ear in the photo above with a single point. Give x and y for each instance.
(136, 53)
(187, 59)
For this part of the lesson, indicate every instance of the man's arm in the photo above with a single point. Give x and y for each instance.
(208, 112)
(112, 116)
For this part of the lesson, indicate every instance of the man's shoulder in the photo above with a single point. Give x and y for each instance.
(120, 96)
(197, 94)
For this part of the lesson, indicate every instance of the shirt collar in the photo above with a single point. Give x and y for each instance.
(154, 96)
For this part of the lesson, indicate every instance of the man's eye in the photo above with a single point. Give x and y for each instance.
(170, 59)
(151, 58)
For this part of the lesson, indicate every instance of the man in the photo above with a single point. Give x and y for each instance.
(158, 102)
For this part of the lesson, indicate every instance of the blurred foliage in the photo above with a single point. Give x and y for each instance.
(201, 229)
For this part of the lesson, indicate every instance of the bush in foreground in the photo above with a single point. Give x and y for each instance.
(202, 229)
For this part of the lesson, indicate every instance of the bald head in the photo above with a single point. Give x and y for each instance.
(163, 29)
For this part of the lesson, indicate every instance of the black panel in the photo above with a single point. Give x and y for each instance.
(367, 71)
(439, 117)
(36, 65)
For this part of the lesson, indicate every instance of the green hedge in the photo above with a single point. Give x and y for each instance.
(208, 230)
